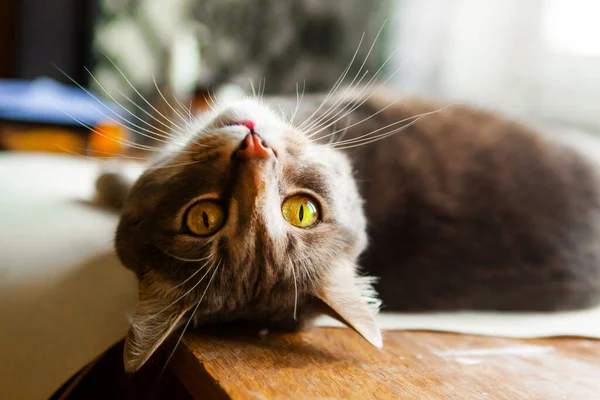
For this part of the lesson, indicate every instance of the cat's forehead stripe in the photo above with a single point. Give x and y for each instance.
(311, 178)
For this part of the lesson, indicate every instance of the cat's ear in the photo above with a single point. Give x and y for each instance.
(152, 322)
(352, 300)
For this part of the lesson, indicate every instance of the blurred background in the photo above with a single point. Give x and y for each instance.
(75, 73)
(96, 77)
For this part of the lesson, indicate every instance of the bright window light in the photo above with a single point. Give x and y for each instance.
(573, 27)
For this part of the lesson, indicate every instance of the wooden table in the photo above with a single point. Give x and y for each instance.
(334, 363)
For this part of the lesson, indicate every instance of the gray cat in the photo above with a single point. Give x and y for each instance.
(262, 213)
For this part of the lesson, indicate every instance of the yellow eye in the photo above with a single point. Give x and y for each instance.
(301, 211)
(205, 218)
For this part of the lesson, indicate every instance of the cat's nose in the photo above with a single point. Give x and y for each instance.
(253, 147)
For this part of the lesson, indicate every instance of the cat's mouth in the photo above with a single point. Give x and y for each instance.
(247, 123)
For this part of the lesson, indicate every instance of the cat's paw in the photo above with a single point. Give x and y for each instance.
(112, 189)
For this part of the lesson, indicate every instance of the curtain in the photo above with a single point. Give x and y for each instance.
(535, 58)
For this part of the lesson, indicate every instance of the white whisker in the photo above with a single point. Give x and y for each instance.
(323, 118)
(298, 101)
(165, 100)
(393, 102)
(107, 153)
(214, 101)
(182, 258)
(281, 111)
(189, 291)
(191, 317)
(336, 84)
(368, 136)
(264, 86)
(188, 109)
(165, 134)
(341, 98)
(99, 158)
(124, 142)
(142, 97)
(364, 100)
(309, 275)
(368, 140)
(115, 113)
(295, 290)
(174, 165)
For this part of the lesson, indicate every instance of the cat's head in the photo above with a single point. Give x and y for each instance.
(246, 219)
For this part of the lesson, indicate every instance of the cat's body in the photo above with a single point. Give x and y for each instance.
(464, 210)
(469, 210)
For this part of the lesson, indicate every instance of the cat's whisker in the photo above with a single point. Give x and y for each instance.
(354, 107)
(369, 136)
(304, 258)
(123, 142)
(195, 273)
(325, 117)
(335, 86)
(189, 290)
(371, 139)
(281, 111)
(106, 153)
(213, 102)
(252, 87)
(377, 138)
(295, 289)
(182, 258)
(316, 123)
(191, 317)
(143, 99)
(259, 89)
(140, 130)
(365, 88)
(154, 131)
(264, 86)
(174, 165)
(345, 131)
(333, 138)
(98, 158)
(183, 117)
(349, 87)
(114, 112)
(392, 103)
(298, 101)
(188, 109)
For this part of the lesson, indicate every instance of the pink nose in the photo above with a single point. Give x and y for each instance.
(253, 147)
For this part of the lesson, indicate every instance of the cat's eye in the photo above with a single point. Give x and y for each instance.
(205, 218)
(301, 211)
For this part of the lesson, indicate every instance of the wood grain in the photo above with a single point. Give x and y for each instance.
(334, 363)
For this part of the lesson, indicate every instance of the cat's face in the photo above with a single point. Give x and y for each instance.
(249, 219)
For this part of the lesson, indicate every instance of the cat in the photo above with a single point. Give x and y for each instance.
(266, 212)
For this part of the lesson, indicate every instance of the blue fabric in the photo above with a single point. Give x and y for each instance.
(46, 101)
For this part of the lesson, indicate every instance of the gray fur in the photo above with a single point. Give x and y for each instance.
(466, 210)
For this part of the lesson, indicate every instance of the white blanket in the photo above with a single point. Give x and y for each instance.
(64, 297)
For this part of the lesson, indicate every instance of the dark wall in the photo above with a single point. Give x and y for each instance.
(53, 32)
(7, 37)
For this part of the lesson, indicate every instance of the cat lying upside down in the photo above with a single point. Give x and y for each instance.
(256, 218)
